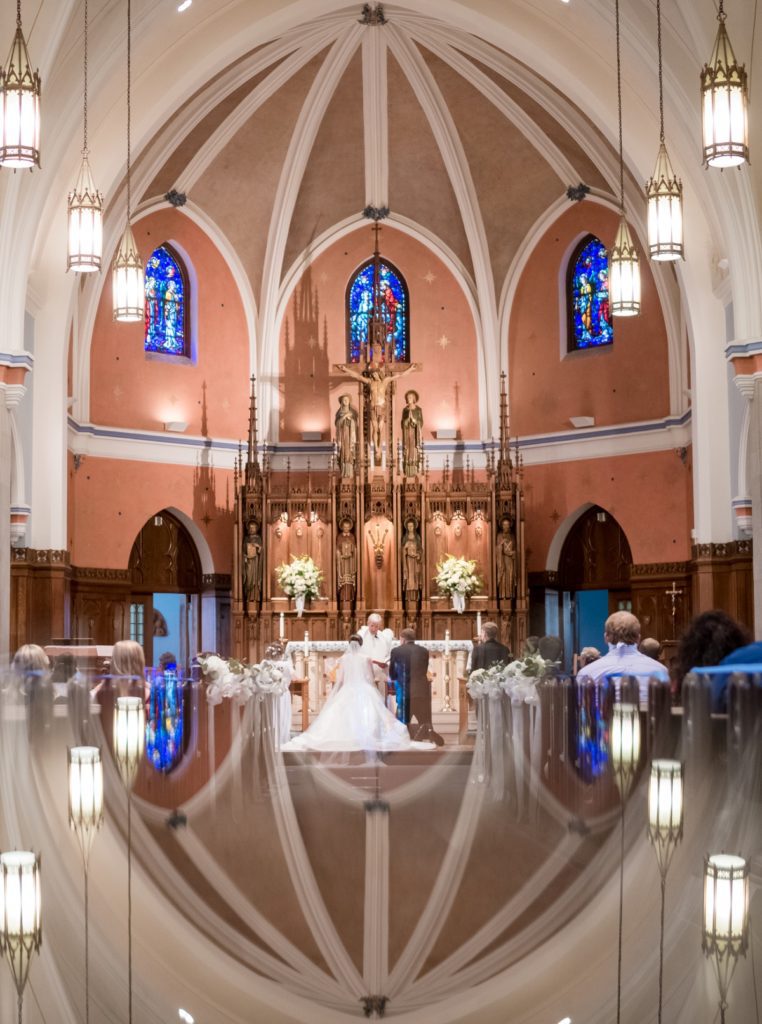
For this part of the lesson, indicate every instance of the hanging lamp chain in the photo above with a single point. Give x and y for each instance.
(721, 11)
(661, 85)
(84, 143)
(18, 13)
(129, 107)
(619, 103)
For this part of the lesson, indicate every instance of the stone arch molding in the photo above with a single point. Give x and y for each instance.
(562, 532)
(292, 276)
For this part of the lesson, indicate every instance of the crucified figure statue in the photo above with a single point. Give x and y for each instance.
(377, 378)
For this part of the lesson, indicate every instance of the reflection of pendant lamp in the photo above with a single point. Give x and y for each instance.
(85, 206)
(664, 191)
(19, 106)
(665, 830)
(724, 104)
(85, 818)
(20, 906)
(624, 267)
(625, 755)
(726, 917)
(127, 279)
(129, 741)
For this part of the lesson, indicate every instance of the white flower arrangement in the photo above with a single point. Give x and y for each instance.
(299, 579)
(458, 578)
(486, 682)
(231, 680)
(520, 678)
(271, 677)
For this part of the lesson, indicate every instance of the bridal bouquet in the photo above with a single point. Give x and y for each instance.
(300, 578)
(458, 578)
(231, 680)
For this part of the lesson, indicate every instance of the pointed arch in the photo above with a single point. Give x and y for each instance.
(359, 303)
(167, 304)
(589, 321)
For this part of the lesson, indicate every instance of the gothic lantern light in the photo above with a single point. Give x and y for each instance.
(724, 104)
(625, 745)
(665, 830)
(20, 919)
(624, 266)
(726, 917)
(19, 106)
(664, 191)
(129, 737)
(127, 283)
(85, 206)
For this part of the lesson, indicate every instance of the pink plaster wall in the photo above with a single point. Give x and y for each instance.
(132, 390)
(448, 383)
(649, 494)
(620, 383)
(112, 499)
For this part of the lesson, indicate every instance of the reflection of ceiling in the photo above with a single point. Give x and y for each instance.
(429, 120)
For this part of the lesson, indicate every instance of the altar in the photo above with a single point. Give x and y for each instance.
(317, 662)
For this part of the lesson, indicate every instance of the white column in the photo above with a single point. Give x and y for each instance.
(753, 390)
(5, 525)
(375, 962)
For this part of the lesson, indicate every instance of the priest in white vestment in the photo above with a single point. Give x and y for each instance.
(377, 645)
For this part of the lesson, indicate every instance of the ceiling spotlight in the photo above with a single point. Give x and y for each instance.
(183, 1014)
(180, 8)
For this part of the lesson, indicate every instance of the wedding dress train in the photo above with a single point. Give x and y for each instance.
(354, 716)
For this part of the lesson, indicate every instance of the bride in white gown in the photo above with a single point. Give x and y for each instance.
(355, 717)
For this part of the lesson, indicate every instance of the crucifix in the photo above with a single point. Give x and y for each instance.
(673, 595)
(378, 372)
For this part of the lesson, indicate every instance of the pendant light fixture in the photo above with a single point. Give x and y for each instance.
(724, 104)
(664, 191)
(19, 106)
(624, 264)
(127, 269)
(85, 206)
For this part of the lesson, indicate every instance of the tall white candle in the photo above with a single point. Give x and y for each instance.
(447, 641)
(282, 626)
(306, 643)
(372, 459)
(383, 455)
(478, 623)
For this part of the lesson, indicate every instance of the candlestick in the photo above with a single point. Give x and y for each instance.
(282, 626)
(306, 643)
(447, 641)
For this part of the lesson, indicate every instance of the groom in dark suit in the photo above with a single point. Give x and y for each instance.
(408, 668)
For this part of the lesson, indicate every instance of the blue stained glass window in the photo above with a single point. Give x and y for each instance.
(361, 296)
(164, 725)
(166, 303)
(588, 295)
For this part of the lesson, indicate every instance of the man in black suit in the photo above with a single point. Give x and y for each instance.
(408, 668)
(490, 650)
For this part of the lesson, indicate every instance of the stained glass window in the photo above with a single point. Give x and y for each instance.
(166, 304)
(164, 725)
(361, 297)
(588, 296)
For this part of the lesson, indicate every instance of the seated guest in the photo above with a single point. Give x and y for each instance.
(651, 647)
(30, 672)
(128, 668)
(707, 641)
(377, 645)
(587, 656)
(622, 634)
(167, 662)
(749, 655)
(490, 650)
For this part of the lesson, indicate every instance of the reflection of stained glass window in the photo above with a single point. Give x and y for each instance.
(164, 725)
(592, 731)
(361, 295)
(166, 303)
(588, 296)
